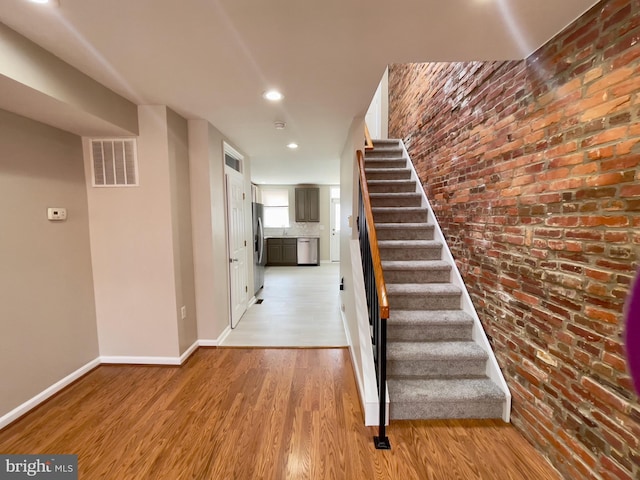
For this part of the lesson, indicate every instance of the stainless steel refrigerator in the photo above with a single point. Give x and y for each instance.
(259, 253)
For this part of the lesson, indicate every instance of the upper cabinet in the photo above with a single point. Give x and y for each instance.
(307, 204)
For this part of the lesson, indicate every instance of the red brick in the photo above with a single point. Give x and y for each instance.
(630, 191)
(616, 76)
(601, 315)
(609, 179)
(601, 393)
(585, 169)
(613, 471)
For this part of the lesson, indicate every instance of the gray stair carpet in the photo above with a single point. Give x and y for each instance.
(435, 369)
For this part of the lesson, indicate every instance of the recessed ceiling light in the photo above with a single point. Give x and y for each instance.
(53, 2)
(292, 146)
(273, 95)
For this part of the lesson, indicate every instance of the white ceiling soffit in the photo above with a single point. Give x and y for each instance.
(212, 59)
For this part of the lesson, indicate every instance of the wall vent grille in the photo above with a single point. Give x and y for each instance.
(115, 163)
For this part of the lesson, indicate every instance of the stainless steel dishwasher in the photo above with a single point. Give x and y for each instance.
(307, 251)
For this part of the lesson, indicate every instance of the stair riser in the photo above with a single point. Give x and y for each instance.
(417, 276)
(393, 174)
(385, 142)
(445, 410)
(384, 152)
(414, 253)
(434, 333)
(446, 368)
(393, 188)
(417, 302)
(405, 233)
(400, 216)
(413, 201)
(386, 163)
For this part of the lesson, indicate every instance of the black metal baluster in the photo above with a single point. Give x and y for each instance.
(377, 324)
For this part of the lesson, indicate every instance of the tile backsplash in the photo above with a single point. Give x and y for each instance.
(297, 229)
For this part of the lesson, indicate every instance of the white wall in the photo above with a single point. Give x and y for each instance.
(47, 310)
(209, 228)
(349, 207)
(132, 251)
(377, 117)
(40, 85)
(178, 144)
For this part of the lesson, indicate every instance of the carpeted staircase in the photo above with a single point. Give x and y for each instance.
(435, 368)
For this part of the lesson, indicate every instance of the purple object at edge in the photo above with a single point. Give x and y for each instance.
(632, 334)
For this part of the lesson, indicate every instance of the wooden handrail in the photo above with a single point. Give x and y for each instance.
(368, 143)
(373, 241)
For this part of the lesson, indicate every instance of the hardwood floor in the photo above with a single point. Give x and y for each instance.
(255, 414)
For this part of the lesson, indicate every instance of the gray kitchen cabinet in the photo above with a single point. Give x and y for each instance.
(282, 251)
(307, 204)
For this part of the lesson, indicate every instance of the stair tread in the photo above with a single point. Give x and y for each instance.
(407, 225)
(378, 181)
(423, 289)
(409, 243)
(398, 209)
(437, 390)
(415, 264)
(437, 317)
(395, 195)
(386, 148)
(383, 169)
(389, 158)
(440, 350)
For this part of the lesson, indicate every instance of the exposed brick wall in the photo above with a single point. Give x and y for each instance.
(533, 170)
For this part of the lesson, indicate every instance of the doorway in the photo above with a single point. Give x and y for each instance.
(236, 236)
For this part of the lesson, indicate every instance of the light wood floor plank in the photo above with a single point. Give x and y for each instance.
(256, 414)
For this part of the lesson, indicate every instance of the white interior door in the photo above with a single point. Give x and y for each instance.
(239, 292)
(334, 219)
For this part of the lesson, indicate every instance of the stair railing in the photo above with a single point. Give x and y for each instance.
(377, 301)
(368, 143)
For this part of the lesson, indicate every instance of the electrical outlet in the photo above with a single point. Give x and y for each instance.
(183, 312)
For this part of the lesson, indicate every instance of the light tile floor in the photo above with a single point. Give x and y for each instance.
(300, 308)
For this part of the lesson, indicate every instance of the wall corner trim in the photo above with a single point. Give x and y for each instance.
(33, 402)
(225, 333)
(189, 351)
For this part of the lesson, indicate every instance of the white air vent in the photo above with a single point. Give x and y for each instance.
(114, 162)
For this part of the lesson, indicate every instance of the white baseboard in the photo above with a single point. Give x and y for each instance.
(124, 359)
(224, 335)
(187, 353)
(102, 360)
(45, 394)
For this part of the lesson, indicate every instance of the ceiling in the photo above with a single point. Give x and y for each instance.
(213, 59)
